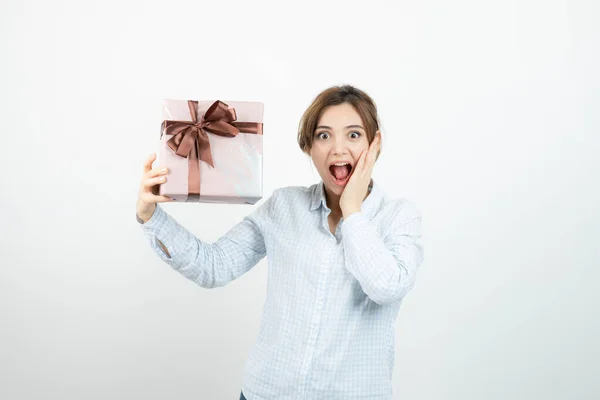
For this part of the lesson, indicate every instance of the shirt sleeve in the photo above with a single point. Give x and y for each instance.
(215, 264)
(384, 265)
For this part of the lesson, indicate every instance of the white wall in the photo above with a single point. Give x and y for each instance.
(491, 122)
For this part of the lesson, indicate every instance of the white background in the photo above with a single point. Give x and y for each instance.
(491, 123)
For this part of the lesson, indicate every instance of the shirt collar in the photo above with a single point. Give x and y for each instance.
(369, 205)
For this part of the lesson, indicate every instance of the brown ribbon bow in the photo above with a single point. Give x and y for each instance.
(190, 138)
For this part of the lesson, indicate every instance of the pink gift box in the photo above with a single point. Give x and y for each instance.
(236, 177)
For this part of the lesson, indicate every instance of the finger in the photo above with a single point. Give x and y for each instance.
(358, 166)
(375, 144)
(366, 157)
(367, 161)
(361, 159)
(162, 199)
(376, 149)
(369, 157)
(154, 181)
(155, 198)
(157, 172)
(148, 162)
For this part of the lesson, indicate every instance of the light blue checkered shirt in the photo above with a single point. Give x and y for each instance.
(327, 330)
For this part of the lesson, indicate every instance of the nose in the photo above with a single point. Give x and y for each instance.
(340, 145)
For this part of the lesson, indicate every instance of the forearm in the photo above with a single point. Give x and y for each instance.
(385, 271)
(209, 265)
(173, 243)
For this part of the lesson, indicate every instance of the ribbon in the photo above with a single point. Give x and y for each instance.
(190, 138)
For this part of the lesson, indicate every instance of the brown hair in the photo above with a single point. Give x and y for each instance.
(335, 95)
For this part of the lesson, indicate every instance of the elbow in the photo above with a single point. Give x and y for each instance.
(203, 281)
(387, 298)
(391, 294)
(208, 269)
(383, 299)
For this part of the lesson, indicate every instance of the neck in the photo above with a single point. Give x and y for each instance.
(333, 202)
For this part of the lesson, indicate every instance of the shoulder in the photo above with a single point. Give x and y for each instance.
(402, 208)
(292, 200)
(285, 199)
(294, 193)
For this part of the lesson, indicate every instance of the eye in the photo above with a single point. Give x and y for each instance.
(319, 135)
(358, 134)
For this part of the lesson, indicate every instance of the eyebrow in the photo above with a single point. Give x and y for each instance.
(348, 127)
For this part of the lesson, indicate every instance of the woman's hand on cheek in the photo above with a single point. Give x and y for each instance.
(356, 189)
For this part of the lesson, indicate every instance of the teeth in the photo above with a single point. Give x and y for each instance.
(341, 164)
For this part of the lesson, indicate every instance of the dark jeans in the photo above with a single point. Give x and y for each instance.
(242, 396)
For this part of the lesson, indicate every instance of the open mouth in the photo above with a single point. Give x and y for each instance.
(340, 172)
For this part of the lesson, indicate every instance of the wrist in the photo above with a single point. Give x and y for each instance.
(145, 214)
(349, 211)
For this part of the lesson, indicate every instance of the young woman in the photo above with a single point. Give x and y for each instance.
(341, 257)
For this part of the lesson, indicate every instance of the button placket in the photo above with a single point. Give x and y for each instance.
(316, 320)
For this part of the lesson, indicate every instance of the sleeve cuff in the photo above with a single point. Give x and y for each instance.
(358, 217)
(156, 221)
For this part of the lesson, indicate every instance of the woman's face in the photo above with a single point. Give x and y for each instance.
(340, 137)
